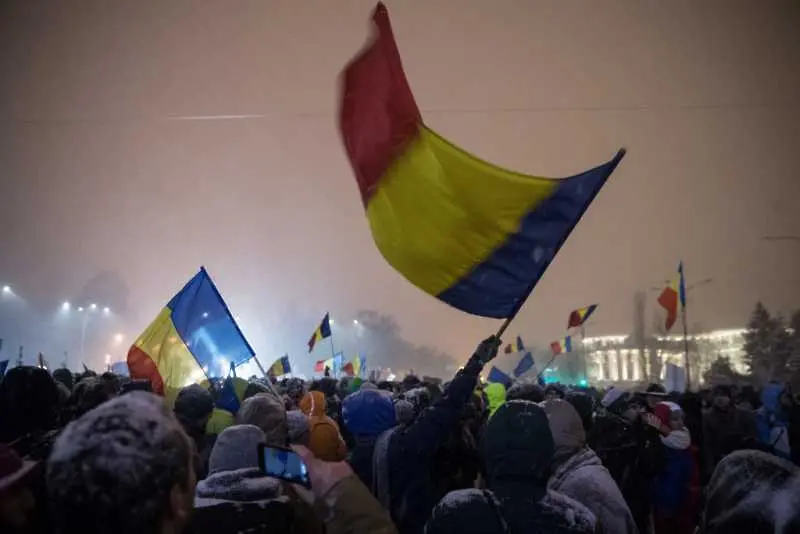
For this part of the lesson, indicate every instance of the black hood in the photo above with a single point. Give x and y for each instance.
(517, 446)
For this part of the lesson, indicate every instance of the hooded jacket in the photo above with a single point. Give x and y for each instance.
(578, 472)
(771, 421)
(496, 395)
(517, 452)
(325, 441)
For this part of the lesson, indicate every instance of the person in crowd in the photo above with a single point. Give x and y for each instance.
(495, 395)
(404, 411)
(654, 393)
(673, 499)
(267, 413)
(29, 403)
(297, 424)
(529, 391)
(726, 428)
(125, 467)
(295, 389)
(752, 492)
(325, 440)
(87, 395)
(17, 496)
(772, 418)
(628, 442)
(553, 391)
(396, 462)
(238, 497)
(578, 472)
(193, 407)
(64, 376)
(517, 453)
(584, 405)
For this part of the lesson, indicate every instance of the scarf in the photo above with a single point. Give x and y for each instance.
(677, 439)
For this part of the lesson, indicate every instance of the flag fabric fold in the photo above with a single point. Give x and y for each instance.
(323, 331)
(354, 366)
(320, 366)
(280, 367)
(496, 375)
(561, 346)
(193, 336)
(525, 364)
(472, 234)
(580, 316)
(673, 298)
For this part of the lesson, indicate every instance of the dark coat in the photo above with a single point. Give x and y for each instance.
(725, 431)
(412, 451)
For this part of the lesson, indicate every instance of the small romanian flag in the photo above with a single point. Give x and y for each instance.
(322, 331)
(580, 316)
(673, 298)
(474, 235)
(320, 366)
(280, 367)
(194, 336)
(354, 366)
(561, 346)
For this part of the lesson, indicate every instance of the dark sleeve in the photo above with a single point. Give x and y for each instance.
(433, 426)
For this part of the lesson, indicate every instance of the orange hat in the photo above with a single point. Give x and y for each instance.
(314, 404)
(325, 441)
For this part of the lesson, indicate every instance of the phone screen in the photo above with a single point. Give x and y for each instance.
(284, 464)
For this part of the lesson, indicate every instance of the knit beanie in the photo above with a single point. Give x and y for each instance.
(236, 448)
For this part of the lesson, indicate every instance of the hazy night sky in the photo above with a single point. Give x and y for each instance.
(96, 175)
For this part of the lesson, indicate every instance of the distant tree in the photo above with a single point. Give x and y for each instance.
(766, 345)
(722, 372)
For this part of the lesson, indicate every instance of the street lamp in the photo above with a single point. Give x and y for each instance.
(355, 321)
(92, 306)
(65, 306)
(6, 290)
(80, 309)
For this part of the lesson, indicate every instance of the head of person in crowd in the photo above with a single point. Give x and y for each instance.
(325, 441)
(193, 407)
(267, 413)
(233, 469)
(254, 388)
(670, 414)
(654, 394)
(525, 390)
(295, 389)
(495, 396)
(553, 391)
(124, 467)
(29, 402)
(584, 405)
(368, 413)
(64, 376)
(618, 402)
(112, 382)
(420, 399)
(404, 411)
(721, 398)
(517, 451)
(753, 492)
(87, 395)
(17, 501)
(138, 384)
(297, 424)
(566, 427)
(410, 382)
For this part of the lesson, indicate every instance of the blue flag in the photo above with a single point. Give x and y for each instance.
(338, 362)
(524, 365)
(496, 375)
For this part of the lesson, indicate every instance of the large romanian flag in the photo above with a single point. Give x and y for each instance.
(673, 298)
(472, 234)
(323, 331)
(194, 336)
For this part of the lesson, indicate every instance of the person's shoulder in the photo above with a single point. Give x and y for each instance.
(576, 515)
(276, 515)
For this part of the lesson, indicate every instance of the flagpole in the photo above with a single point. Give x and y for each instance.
(583, 346)
(333, 357)
(546, 366)
(260, 367)
(685, 329)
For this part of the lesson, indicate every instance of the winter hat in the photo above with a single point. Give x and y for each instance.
(368, 413)
(193, 407)
(368, 385)
(529, 391)
(656, 390)
(752, 491)
(314, 403)
(298, 427)
(518, 446)
(664, 411)
(616, 400)
(267, 413)
(325, 441)
(566, 426)
(14, 471)
(236, 448)
(584, 405)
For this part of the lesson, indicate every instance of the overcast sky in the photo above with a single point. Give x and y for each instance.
(99, 173)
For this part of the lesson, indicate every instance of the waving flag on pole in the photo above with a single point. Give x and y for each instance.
(280, 367)
(525, 364)
(472, 234)
(673, 298)
(580, 316)
(561, 346)
(194, 336)
(323, 331)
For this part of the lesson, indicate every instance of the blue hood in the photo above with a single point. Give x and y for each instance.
(368, 412)
(771, 398)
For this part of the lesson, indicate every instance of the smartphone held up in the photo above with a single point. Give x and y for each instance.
(284, 464)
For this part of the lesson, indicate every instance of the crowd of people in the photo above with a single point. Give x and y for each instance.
(94, 454)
